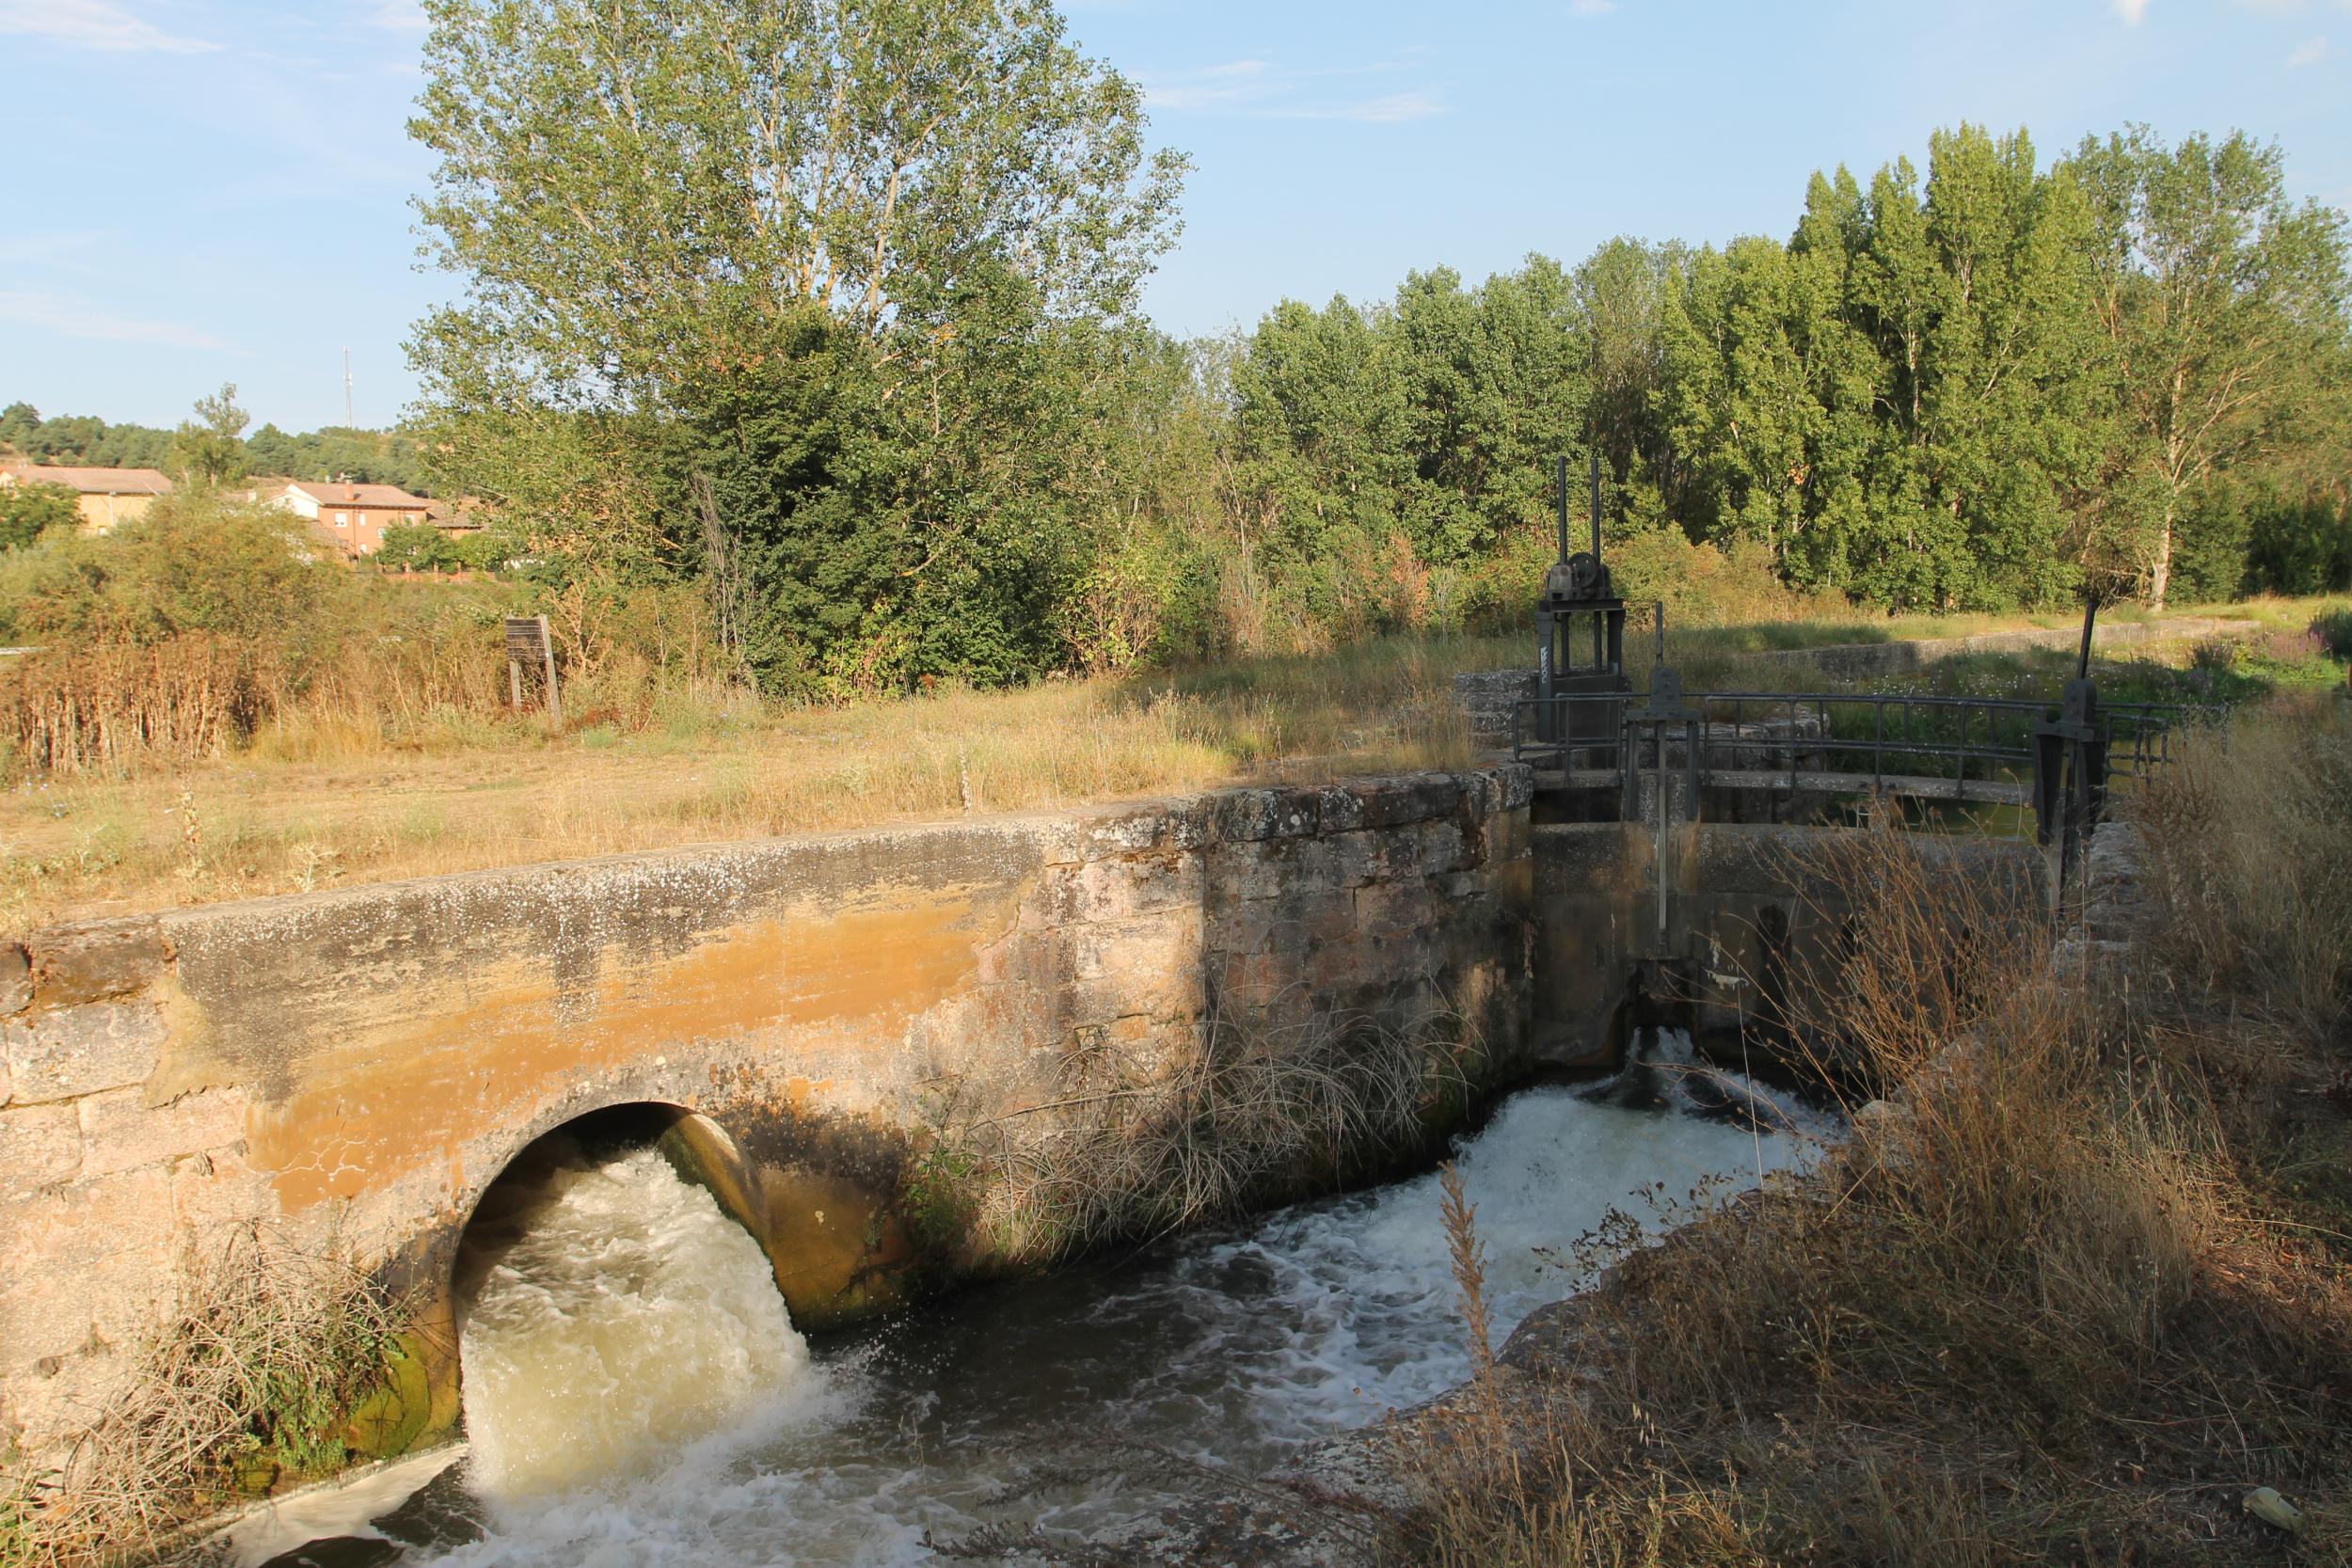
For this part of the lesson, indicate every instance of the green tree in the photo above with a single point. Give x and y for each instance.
(209, 448)
(925, 202)
(28, 510)
(2221, 298)
(20, 421)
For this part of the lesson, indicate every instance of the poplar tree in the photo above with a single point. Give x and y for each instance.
(2221, 299)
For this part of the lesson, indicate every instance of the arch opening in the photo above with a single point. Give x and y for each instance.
(611, 1303)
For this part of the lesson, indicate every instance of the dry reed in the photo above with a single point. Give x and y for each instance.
(267, 1348)
(1259, 1112)
(2054, 1302)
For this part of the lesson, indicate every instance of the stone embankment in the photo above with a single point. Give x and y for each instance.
(354, 1067)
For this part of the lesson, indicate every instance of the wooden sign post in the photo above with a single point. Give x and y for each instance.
(527, 641)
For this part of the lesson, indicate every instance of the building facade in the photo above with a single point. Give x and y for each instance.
(108, 497)
(353, 515)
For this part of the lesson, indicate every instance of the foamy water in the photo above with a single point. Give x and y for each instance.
(625, 1316)
(636, 1395)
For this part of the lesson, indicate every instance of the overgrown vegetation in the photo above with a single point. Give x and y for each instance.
(273, 1364)
(295, 757)
(2075, 1295)
(1262, 1113)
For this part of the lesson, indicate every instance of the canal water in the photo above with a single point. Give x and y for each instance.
(636, 1395)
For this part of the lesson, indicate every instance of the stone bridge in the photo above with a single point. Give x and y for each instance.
(356, 1068)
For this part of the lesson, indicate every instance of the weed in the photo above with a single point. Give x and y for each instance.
(2066, 1297)
(251, 1378)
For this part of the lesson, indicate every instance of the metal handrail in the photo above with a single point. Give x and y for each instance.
(1985, 740)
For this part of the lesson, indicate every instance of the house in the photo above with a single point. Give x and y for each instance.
(353, 515)
(108, 495)
(457, 519)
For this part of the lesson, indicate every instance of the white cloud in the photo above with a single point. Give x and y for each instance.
(2131, 12)
(94, 24)
(1261, 89)
(1588, 9)
(398, 16)
(1396, 108)
(73, 319)
(2309, 52)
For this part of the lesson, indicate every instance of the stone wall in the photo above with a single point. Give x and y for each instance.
(356, 1066)
(1751, 911)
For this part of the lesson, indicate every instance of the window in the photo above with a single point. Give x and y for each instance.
(343, 519)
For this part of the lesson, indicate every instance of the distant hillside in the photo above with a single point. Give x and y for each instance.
(369, 457)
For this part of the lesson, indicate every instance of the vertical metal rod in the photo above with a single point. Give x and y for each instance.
(1596, 455)
(1661, 835)
(1877, 746)
(1561, 477)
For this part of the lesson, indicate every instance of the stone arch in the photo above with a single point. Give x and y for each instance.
(699, 1149)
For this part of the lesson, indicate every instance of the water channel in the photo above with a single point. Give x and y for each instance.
(638, 1397)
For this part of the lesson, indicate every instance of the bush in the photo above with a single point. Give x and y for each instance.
(28, 510)
(195, 563)
(2334, 630)
(275, 1362)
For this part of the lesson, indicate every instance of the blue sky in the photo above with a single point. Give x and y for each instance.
(216, 190)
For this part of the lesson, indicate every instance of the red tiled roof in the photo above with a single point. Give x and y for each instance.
(327, 493)
(93, 482)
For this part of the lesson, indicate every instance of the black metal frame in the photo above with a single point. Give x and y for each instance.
(2133, 738)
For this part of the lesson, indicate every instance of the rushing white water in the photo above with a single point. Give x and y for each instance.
(623, 1316)
(629, 1315)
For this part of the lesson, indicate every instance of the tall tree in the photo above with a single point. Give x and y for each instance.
(209, 448)
(2220, 295)
(655, 209)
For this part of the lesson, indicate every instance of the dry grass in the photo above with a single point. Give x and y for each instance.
(2066, 1304)
(416, 772)
(249, 1377)
(1263, 1113)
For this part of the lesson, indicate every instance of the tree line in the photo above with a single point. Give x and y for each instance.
(830, 312)
(823, 319)
(212, 443)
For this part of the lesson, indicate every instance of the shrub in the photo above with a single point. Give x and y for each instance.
(28, 510)
(273, 1359)
(2334, 630)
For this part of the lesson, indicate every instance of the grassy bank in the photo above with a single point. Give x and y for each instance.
(2083, 1290)
(355, 790)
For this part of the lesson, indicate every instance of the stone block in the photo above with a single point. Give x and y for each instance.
(1136, 951)
(121, 1133)
(1517, 782)
(105, 1261)
(1388, 802)
(74, 964)
(60, 1054)
(1114, 889)
(1130, 830)
(16, 979)
(39, 1145)
(1442, 847)
(1243, 816)
(57, 1399)
(1251, 869)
